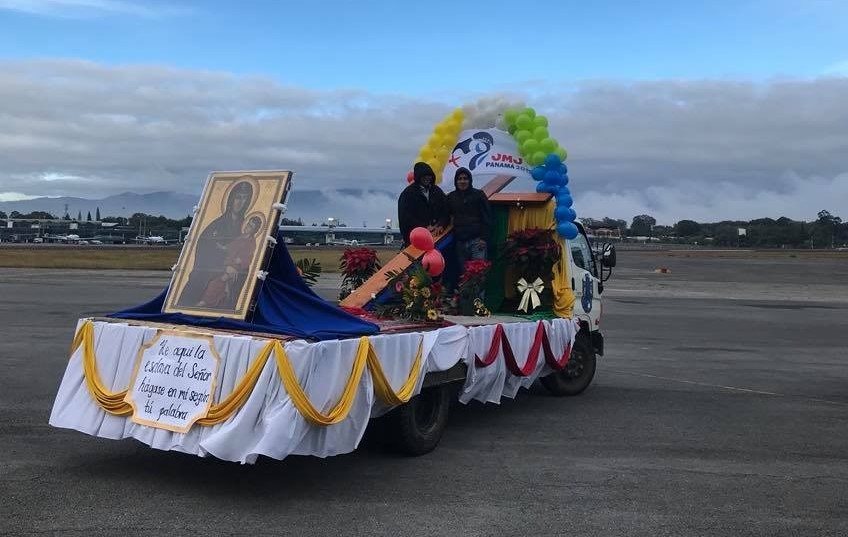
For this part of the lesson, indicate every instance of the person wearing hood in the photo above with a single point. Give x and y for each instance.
(472, 218)
(422, 204)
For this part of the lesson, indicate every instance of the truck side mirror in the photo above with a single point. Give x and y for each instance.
(608, 257)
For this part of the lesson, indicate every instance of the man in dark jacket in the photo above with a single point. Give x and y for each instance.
(472, 218)
(422, 204)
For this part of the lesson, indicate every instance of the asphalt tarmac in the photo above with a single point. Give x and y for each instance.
(720, 408)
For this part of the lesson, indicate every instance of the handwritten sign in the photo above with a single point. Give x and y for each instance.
(174, 381)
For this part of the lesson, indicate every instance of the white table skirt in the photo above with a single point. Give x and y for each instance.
(268, 423)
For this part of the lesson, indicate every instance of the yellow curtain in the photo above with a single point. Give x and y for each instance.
(542, 217)
(113, 402)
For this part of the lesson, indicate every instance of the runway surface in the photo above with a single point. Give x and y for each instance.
(721, 408)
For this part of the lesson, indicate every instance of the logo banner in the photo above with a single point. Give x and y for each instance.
(486, 153)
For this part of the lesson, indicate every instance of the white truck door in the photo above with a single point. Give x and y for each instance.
(584, 281)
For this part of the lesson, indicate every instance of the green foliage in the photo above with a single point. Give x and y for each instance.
(417, 297)
(687, 228)
(641, 225)
(309, 270)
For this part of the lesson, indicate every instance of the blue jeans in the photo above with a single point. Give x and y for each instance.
(472, 249)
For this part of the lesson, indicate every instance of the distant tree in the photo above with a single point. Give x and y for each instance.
(687, 228)
(726, 234)
(825, 229)
(15, 214)
(662, 231)
(79, 216)
(39, 215)
(590, 223)
(642, 224)
(88, 217)
(614, 223)
(289, 222)
(3, 215)
(98, 214)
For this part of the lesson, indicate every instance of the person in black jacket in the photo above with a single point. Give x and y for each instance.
(472, 218)
(422, 204)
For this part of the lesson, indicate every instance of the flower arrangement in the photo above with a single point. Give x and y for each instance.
(420, 298)
(533, 252)
(309, 270)
(466, 297)
(356, 266)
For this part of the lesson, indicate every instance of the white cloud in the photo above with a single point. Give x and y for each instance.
(676, 149)
(73, 8)
(14, 196)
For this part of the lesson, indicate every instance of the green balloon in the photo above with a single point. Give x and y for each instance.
(548, 145)
(524, 122)
(529, 112)
(540, 121)
(540, 133)
(512, 128)
(510, 115)
(561, 152)
(538, 158)
(522, 135)
(529, 146)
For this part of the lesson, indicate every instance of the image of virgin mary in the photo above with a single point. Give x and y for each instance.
(213, 246)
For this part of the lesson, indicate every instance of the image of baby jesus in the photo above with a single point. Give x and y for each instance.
(222, 292)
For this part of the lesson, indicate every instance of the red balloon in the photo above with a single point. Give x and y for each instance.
(433, 262)
(410, 177)
(422, 239)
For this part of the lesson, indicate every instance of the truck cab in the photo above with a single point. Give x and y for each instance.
(589, 269)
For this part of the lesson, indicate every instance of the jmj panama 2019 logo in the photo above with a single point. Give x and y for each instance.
(480, 143)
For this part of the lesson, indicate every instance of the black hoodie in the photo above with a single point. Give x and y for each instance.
(472, 216)
(417, 210)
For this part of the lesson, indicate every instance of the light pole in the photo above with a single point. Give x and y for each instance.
(330, 236)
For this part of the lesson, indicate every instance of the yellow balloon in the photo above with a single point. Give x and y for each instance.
(433, 162)
(458, 115)
(442, 154)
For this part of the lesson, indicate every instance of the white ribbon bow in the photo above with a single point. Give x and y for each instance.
(530, 293)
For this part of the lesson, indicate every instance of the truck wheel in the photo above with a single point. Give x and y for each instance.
(416, 427)
(578, 373)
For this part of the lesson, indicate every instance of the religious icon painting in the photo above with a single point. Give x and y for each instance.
(227, 245)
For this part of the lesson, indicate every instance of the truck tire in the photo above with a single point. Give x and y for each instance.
(416, 427)
(576, 376)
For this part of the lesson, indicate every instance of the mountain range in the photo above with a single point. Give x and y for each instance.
(309, 205)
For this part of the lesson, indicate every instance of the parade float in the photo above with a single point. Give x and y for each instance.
(239, 358)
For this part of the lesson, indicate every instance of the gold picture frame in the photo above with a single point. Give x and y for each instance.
(216, 275)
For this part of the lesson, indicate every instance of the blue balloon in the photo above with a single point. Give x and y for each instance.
(552, 178)
(567, 230)
(538, 173)
(562, 213)
(572, 215)
(564, 198)
(564, 179)
(553, 162)
(542, 187)
(563, 169)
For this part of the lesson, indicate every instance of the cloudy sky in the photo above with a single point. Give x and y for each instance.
(734, 109)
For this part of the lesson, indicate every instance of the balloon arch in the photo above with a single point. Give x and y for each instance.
(534, 142)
